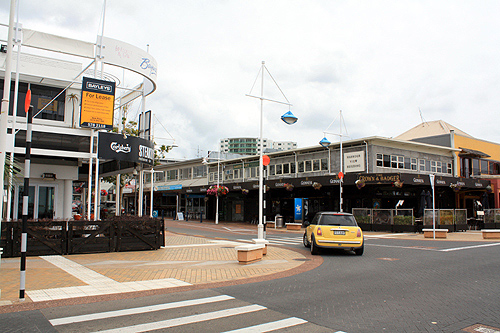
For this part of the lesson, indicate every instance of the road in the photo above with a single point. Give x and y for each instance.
(398, 285)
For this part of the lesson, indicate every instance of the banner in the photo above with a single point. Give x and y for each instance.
(298, 210)
(98, 102)
(113, 146)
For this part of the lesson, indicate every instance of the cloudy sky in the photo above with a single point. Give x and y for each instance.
(380, 62)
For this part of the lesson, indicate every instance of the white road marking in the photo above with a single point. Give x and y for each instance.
(186, 320)
(469, 247)
(272, 326)
(132, 311)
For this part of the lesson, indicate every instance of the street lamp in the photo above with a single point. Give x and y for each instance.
(205, 161)
(325, 143)
(289, 119)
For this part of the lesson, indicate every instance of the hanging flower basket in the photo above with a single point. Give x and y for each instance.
(288, 187)
(244, 191)
(316, 185)
(455, 187)
(360, 184)
(398, 184)
(217, 190)
(104, 193)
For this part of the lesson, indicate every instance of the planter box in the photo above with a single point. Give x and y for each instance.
(263, 242)
(440, 233)
(271, 224)
(491, 233)
(293, 226)
(249, 253)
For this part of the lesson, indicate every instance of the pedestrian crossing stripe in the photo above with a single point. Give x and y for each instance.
(272, 326)
(144, 309)
(186, 320)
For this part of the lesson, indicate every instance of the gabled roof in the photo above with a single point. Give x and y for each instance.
(430, 128)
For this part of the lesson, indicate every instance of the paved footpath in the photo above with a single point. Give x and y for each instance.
(185, 263)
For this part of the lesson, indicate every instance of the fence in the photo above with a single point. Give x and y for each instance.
(395, 220)
(451, 219)
(73, 237)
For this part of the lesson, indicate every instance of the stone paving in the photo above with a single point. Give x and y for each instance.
(185, 260)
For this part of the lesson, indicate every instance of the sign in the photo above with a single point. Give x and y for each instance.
(298, 210)
(118, 53)
(265, 160)
(354, 161)
(180, 216)
(155, 213)
(113, 146)
(98, 102)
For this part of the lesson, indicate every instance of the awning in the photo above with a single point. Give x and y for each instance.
(472, 152)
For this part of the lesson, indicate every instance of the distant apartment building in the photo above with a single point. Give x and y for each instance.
(251, 146)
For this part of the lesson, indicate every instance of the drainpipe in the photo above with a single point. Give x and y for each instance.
(366, 155)
(455, 158)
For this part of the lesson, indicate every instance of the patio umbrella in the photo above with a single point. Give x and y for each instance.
(485, 202)
(428, 199)
(422, 203)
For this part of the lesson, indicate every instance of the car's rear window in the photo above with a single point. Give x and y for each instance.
(343, 220)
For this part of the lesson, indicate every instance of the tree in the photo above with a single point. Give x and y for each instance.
(73, 98)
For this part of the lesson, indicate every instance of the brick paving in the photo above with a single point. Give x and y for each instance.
(185, 260)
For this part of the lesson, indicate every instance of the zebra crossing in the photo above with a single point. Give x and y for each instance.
(209, 313)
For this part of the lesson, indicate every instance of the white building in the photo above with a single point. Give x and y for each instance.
(251, 146)
(61, 151)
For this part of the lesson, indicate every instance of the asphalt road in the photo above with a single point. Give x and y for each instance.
(396, 286)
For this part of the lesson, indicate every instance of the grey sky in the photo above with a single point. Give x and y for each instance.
(377, 61)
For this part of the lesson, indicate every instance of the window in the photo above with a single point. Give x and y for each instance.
(237, 174)
(308, 166)
(387, 161)
(324, 164)
(450, 168)
(316, 165)
(397, 162)
(380, 160)
(199, 171)
(279, 169)
(286, 168)
(172, 174)
(301, 166)
(292, 167)
(272, 171)
(414, 164)
(421, 164)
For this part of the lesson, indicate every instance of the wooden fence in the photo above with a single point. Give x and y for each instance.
(73, 237)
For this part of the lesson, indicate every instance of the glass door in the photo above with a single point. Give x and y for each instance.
(46, 197)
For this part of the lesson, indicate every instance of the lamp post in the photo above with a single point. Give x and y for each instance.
(205, 161)
(431, 178)
(289, 119)
(325, 143)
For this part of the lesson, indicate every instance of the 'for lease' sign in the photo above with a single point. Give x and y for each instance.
(98, 101)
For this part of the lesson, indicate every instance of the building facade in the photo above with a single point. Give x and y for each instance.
(251, 146)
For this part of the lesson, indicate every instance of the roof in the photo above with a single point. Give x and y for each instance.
(430, 128)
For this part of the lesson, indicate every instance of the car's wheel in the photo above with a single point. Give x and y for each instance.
(314, 247)
(305, 241)
(359, 252)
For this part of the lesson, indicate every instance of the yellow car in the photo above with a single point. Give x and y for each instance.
(334, 231)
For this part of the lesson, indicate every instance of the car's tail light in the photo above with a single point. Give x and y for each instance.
(359, 233)
(319, 232)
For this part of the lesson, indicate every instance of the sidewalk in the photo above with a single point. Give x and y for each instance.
(185, 262)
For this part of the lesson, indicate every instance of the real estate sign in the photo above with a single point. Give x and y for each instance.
(98, 101)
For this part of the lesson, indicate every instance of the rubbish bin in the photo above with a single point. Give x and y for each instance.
(279, 221)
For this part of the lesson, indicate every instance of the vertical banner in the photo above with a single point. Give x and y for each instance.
(98, 102)
(298, 210)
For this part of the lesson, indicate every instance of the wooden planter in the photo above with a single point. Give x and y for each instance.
(440, 233)
(491, 233)
(249, 253)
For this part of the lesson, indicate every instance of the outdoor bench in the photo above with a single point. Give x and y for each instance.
(249, 253)
(293, 226)
(440, 233)
(491, 233)
(261, 241)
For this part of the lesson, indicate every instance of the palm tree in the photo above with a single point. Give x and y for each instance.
(74, 99)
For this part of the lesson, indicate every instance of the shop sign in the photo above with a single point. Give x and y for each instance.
(354, 161)
(169, 187)
(116, 147)
(381, 178)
